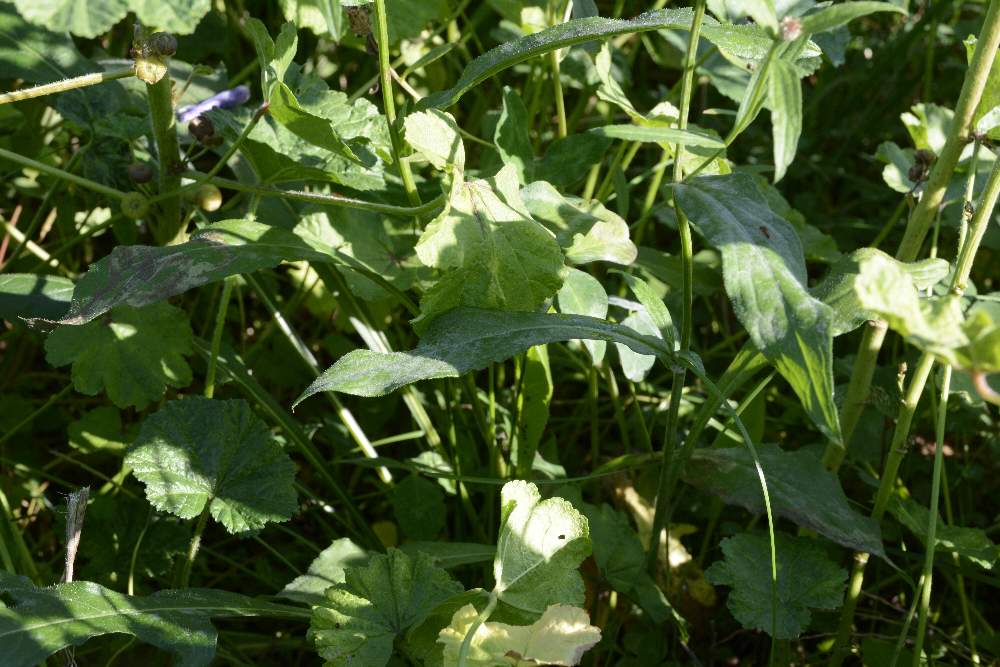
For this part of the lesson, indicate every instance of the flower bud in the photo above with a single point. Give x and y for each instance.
(140, 172)
(201, 128)
(791, 28)
(135, 206)
(163, 44)
(208, 197)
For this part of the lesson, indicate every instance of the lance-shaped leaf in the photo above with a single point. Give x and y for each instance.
(134, 354)
(587, 231)
(560, 637)
(359, 620)
(493, 253)
(326, 570)
(464, 340)
(661, 135)
(765, 276)
(45, 620)
(807, 579)
(841, 13)
(539, 550)
(800, 488)
(198, 451)
(141, 275)
(784, 99)
(971, 543)
(511, 136)
(837, 288)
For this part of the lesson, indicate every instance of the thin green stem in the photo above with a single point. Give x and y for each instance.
(484, 615)
(562, 130)
(60, 173)
(931, 542)
(66, 84)
(53, 399)
(385, 76)
(168, 227)
(220, 322)
(195, 544)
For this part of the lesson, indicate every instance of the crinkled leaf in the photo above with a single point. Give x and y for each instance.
(539, 550)
(326, 570)
(765, 276)
(434, 134)
(587, 231)
(467, 339)
(801, 490)
(83, 18)
(560, 637)
(360, 619)
(45, 620)
(807, 579)
(493, 254)
(971, 543)
(583, 294)
(199, 451)
(134, 354)
(142, 275)
(837, 289)
(31, 295)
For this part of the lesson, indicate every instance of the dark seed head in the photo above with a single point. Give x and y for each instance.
(163, 44)
(140, 172)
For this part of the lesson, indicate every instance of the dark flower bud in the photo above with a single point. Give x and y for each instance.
(140, 172)
(163, 44)
(201, 128)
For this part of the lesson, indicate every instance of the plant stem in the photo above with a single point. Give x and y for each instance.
(192, 552)
(59, 173)
(220, 322)
(922, 216)
(66, 84)
(687, 287)
(930, 544)
(385, 76)
(168, 227)
(484, 615)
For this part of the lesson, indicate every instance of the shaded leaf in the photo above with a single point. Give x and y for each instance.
(326, 570)
(511, 136)
(99, 430)
(452, 554)
(198, 451)
(784, 99)
(34, 296)
(418, 505)
(971, 543)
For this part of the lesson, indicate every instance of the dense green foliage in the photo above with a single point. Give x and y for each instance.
(501, 333)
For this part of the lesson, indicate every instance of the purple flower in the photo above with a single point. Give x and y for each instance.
(227, 99)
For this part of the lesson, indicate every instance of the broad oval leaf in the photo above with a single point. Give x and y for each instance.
(539, 550)
(583, 294)
(199, 451)
(765, 276)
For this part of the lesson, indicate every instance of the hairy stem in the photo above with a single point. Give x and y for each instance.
(168, 228)
(193, 546)
(66, 84)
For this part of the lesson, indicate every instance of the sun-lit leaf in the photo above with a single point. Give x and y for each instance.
(559, 637)
(807, 579)
(511, 136)
(99, 430)
(45, 620)
(492, 253)
(636, 366)
(199, 452)
(784, 99)
(667, 135)
(840, 13)
(539, 550)
(134, 354)
(765, 276)
(360, 619)
(83, 18)
(34, 296)
(327, 569)
(434, 134)
(971, 543)
(583, 294)
(800, 488)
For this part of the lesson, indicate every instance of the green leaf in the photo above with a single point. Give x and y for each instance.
(559, 637)
(35, 53)
(636, 366)
(580, 150)
(801, 490)
(533, 408)
(434, 134)
(493, 253)
(409, 18)
(511, 136)
(765, 276)
(418, 505)
(133, 355)
(180, 17)
(83, 18)
(198, 451)
(583, 294)
(971, 543)
(464, 340)
(784, 99)
(45, 620)
(586, 231)
(30, 295)
(361, 618)
(659, 134)
(841, 13)
(657, 311)
(763, 13)
(837, 289)
(807, 579)
(452, 554)
(539, 550)
(99, 430)
(142, 275)
(325, 571)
